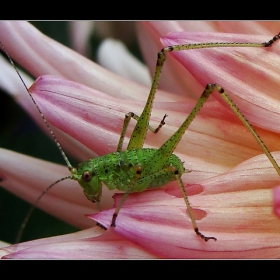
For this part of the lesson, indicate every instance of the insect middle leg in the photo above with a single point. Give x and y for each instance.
(141, 184)
(138, 171)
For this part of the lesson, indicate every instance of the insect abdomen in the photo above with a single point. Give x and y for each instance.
(173, 166)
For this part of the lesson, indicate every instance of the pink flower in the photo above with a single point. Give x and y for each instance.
(231, 180)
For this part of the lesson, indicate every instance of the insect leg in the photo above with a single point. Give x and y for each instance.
(176, 176)
(126, 121)
(237, 111)
(113, 223)
(181, 185)
(164, 152)
(139, 133)
(138, 171)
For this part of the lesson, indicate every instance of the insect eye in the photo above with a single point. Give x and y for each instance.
(87, 176)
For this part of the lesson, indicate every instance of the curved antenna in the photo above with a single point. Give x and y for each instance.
(70, 167)
(33, 206)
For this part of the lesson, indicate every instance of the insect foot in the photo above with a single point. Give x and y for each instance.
(206, 238)
(113, 224)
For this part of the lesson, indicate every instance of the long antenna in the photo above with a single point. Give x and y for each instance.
(70, 167)
(33, 206)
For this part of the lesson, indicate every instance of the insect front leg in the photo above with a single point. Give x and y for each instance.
(138, 171)
(126, 121)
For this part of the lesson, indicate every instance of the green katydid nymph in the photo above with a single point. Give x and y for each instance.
(137, 169)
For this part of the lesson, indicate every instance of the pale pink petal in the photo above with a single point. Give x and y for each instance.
(149, 40)
(156, 220)
(80, 32)
(256, 94)
(41, 55)
(240, 216)
(276, 201)
(114, 56)
(3, 245)
(28, 177)
(11, 83)
(174, 77)
(210, 146)
(241, 27)
(236, 206)
(80, 245)
(149, 34)
(246, 27)
(29, 40)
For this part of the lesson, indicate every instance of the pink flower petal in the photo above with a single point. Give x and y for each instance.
(28, 177)
(240, 217)
(80, 32)
(276, 201)
(244, 27)
(41, 55)
(256, 94)
(85, 114)
(235, 206)
(113, 55)
(81, 245)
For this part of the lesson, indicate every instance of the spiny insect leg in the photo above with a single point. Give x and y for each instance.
(138, 171)
(168, 147)
(212, 87)
(126, 121)
(114, 217)
(181, 185)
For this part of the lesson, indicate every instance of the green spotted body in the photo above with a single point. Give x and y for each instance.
(117, 171)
